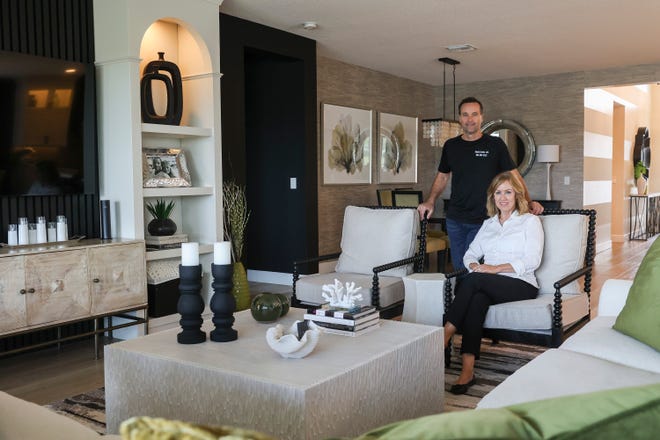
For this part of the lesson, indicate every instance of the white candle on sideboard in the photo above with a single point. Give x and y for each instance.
(189, 254)
(222, 253)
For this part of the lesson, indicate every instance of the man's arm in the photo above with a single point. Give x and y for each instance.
(535, 207)
(439, 185)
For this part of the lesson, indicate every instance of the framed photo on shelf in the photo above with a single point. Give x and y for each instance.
(346, 145)
(397, 145)
(164, 168)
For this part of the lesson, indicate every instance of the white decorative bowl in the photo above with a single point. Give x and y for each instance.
(286, 343)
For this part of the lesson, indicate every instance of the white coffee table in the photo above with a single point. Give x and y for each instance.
(345, 387)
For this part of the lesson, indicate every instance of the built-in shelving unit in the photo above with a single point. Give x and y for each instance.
(189, 37)
(196, 205)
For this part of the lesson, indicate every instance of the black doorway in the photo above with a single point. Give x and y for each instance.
(269, 138)
(275, 154)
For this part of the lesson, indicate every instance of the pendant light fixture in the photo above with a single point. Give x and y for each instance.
(438, 130)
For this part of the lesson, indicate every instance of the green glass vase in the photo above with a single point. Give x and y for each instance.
(286, 304)
(240, 289)
(266, 307)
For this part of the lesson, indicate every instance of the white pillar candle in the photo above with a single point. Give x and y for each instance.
(32, 233)
(12, 235)
(52, 232)
(41, 230)
(23, 231)
(189, 254)
(222, 253)
(62, 229)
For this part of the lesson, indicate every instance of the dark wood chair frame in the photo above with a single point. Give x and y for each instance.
(558, 332)
(393, 309)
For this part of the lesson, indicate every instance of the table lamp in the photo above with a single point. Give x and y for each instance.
(547, 154)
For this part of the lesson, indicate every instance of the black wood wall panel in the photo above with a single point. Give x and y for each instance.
(238, 37)
(53, 28)
(62, 29)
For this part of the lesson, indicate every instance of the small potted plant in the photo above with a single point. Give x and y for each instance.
(161, 224)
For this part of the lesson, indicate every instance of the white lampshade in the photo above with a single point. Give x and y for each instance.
(547, 153)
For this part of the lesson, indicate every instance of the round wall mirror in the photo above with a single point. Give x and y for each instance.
(517, 138)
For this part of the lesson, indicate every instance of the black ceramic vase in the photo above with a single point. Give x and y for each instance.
(171, 79)
(159, 227)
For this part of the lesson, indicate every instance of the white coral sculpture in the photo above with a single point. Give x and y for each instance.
(341, 296)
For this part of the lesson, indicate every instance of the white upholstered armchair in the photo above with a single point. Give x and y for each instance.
(379, 246)
(563, 304)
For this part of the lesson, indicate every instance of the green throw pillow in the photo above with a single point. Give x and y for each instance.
(640, 317)
(622, 413)
(492, 423)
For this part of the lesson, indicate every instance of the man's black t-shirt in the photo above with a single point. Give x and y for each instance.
(473, 165)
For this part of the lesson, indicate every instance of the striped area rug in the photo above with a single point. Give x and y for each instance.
(495, 364)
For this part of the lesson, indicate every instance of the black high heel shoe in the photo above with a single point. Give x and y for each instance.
(463, 387)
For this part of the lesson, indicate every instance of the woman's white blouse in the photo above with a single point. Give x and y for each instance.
(519, 242)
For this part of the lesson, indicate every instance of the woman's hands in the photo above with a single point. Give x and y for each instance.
(489, 268)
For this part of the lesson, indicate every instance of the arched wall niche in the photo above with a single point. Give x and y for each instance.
(181, 41)
(186, 48)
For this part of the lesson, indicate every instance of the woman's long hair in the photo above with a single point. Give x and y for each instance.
(521, 202)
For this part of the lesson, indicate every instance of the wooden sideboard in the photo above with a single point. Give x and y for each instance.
(51, 285)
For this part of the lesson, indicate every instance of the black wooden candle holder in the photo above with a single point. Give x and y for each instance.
(223, 303)
(190, 305)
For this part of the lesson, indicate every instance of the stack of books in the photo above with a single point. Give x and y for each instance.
(155, 243)
(346, 322)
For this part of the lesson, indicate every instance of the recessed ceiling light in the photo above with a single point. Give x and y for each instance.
(461, 48)
(310, 25)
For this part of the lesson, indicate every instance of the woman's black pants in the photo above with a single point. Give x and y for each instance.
(474, 294)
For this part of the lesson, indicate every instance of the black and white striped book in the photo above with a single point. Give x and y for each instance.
(374, 315)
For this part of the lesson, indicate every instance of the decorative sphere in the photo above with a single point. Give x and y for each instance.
(266, 307)
(285, 303)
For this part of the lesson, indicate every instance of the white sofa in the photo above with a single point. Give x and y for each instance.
(595, 358)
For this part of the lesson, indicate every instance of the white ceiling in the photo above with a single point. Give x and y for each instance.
(515, 38)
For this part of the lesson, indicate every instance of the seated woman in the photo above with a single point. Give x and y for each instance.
(511, 245)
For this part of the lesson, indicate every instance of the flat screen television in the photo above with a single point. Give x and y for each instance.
(47, 126)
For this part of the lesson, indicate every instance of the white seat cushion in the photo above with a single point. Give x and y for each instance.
(559, 372)
(563, 253)
(373, 237)
(563, 250)
(599, 339)
(308, 289)
(536, 314)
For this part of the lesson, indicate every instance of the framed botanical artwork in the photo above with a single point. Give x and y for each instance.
(397, 149)
(164, 167)
(346, 143)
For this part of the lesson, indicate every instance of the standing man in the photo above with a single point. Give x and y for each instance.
(472, 160)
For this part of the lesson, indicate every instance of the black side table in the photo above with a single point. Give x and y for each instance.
(644, 216)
